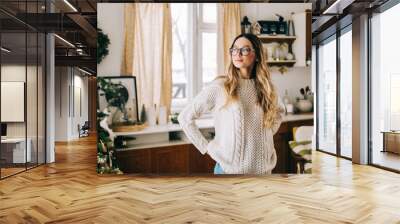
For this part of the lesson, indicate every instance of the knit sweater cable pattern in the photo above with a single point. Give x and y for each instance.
(241, 144)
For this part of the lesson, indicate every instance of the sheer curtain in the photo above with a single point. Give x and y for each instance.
(229, 28)
(149, 26)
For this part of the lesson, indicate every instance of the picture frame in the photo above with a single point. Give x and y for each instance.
(121, 96)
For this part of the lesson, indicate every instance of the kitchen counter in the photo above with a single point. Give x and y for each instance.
(202, 124)
(298, 117)
(165, 149)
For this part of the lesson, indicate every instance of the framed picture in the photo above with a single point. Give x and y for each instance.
(119, 95)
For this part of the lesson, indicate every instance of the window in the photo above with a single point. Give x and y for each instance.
(335, 108)
(179, 14)
(209, 13)
(385, 84)
(208, 33)
(346, 94)
(194, 56)
(327, 96)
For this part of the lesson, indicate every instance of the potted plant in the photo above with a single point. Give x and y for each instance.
(306, 103)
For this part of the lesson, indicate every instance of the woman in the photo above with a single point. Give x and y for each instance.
(246, 113)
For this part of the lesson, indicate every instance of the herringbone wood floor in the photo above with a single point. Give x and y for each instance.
(70, 191)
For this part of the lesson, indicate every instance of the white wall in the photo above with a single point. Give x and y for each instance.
(61, 103)
(78, 118)
(67, 79)
(294, 79)
(110, 18)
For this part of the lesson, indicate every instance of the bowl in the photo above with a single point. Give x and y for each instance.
(304, 106)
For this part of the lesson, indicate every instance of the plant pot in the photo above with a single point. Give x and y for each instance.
(304, 106)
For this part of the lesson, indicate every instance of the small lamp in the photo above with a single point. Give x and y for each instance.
(246, 25)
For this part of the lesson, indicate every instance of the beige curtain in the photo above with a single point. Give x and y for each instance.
(152, 56)
(230, 27)
(127, 54)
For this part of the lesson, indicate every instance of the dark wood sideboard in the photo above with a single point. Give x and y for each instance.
(186, 159)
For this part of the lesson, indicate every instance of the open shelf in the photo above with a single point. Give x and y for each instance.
(266, 38)
(282, 63)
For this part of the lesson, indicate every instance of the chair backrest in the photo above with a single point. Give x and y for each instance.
(86, 125)
(303, 133)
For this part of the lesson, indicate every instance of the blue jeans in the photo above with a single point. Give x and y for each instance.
(218, 169)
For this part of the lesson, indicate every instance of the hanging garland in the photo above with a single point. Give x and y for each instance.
(102, 45)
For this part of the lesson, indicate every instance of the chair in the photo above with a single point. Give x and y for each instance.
(301, 148)
(84, 130)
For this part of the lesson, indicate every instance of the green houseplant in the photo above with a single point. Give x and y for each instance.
(116, 96)
(106, 160)
(102, 45)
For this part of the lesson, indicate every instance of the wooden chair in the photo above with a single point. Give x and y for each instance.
(301, 148)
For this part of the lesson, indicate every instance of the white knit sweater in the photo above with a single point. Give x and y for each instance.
(241, 144)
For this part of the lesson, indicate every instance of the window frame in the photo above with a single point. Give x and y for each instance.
(334, 37)
(370, 74)
(194, 54)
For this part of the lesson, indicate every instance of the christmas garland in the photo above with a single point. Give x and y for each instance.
(102, 45)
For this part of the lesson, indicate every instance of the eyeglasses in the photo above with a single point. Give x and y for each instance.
(243, 51)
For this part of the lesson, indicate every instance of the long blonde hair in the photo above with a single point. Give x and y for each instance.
(266, 94)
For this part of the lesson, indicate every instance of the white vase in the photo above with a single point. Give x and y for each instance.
(289, 56)
(284, 51)
(269, 51)
(277, 53)
(151, 116)
(162, 115)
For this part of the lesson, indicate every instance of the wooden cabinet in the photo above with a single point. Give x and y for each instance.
(177, 159)
(186, 159)
(170, 159)
(391, 141)
(134, 161)
(200, 163)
